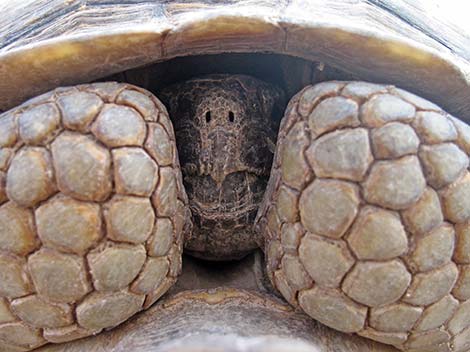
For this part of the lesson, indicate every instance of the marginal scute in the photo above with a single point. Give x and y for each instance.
(115, 267)
(334, 309)
(68, 224)
(328, 207)
(104, 309)
(343, 154)
(443, 163)
(82, 167)
(326, 261)
(79, 109)
(377, 283)
(118, 126)
(30, 178)
(395, 184)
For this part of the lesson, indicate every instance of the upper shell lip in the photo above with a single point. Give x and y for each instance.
(363, 46)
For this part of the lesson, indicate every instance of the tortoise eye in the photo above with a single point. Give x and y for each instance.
(231, 116)
(208, 116)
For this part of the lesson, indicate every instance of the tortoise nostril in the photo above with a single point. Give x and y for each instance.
(231, 116)
(208, 116)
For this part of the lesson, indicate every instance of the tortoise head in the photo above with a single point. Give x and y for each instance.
(225, 136)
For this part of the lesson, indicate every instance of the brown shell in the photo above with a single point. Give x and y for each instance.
(54, 43)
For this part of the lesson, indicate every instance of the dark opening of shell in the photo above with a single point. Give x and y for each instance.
(226, 166)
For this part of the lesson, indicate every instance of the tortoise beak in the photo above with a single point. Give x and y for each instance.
(221, 156)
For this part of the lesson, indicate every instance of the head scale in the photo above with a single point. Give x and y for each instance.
(225, 137)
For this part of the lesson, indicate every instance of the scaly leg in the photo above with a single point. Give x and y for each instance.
(92, 214)
(366, 216)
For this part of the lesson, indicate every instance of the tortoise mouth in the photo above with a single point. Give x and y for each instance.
(240, 193)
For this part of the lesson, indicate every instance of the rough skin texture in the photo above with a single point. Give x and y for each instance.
(367, 215)
(92, 212)
(226, 138)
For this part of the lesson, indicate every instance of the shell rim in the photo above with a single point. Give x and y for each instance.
(22, 73)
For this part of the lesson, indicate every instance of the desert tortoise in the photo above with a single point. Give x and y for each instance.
(364, 217)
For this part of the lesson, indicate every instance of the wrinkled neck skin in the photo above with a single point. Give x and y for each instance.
(225, 138)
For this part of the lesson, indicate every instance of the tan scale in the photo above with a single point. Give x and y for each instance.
(385, 238)
(365, 217)
(85, 239)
